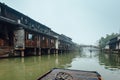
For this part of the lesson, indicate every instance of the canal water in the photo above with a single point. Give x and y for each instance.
(31, 68)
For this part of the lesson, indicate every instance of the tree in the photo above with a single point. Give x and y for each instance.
(104, 40)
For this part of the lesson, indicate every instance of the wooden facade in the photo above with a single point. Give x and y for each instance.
(19, 33)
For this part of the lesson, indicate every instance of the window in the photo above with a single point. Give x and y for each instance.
(19, 21)
(52, 41)
(32, 27)
(43, 38)
(30, 36)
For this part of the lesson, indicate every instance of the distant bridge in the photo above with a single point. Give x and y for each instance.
(89, 46)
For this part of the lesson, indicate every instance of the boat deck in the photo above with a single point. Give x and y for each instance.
(67, 74)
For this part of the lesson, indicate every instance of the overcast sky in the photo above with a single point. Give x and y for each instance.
(85, 21)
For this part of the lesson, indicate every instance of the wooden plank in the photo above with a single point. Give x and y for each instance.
(67, 74)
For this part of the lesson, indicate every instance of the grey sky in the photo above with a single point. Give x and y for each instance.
(85, 21)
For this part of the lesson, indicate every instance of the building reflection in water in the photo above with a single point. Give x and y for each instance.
(111, 61)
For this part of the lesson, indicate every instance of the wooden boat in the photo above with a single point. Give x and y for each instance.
(68, 74)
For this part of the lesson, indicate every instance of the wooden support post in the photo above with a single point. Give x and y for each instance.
(56, 51)
(48, 51)
(39, 53)
(22, 53)
(61, 51)
(35, 51)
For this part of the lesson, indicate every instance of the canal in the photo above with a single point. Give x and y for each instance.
(30, 68)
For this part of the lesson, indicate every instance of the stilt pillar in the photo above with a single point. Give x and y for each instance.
(39, 53)
(35, 51)
(48, 51)
(22, 53)
(56, 51)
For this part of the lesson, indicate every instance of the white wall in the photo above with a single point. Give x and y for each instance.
(107, 47)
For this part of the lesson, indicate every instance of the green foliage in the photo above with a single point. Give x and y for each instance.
(104, 40)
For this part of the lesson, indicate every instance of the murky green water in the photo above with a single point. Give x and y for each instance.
(30, 68)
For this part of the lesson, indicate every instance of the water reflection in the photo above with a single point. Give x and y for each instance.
(30, 68)
(111, 61)
(108, 65)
